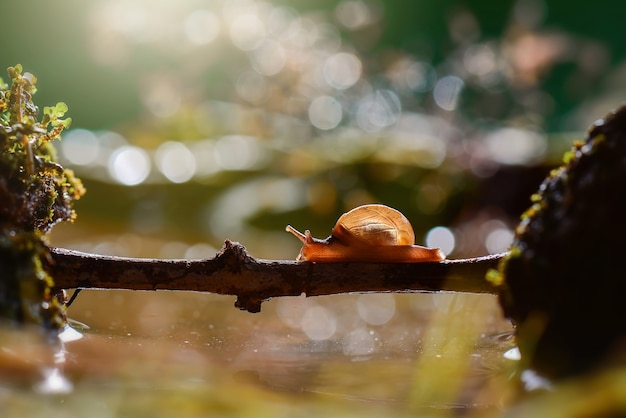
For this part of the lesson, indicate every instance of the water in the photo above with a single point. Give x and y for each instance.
(192, 354)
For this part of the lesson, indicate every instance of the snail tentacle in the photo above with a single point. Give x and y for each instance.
(297, 233)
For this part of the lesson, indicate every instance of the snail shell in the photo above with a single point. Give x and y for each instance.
(371, 233)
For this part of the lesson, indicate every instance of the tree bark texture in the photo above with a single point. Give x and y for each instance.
(233, 272)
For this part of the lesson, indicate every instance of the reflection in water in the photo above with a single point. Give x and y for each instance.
(37, 360)
(177, 345)
(53, 382)
(377, 308)
(191, 352)
(513, 354)
(318, 323)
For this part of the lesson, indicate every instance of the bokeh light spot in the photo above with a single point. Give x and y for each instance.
(247, 32)
(252, 87)
(269, 58)
(175, 161)
(441, 237)
(318, 323)
(342, 70)
(359, 342)
(376, 308)
(516, 146)
(420, 77)
(201, 27)
(499, 240)
(200, 251)
(291, 310)
(283, 22)
(353, 14)
(129, 165)
(236, 152)
(447, 92)
(379, 110)
(480, 60)
(80, 147)
(203, 152)
(325, 112)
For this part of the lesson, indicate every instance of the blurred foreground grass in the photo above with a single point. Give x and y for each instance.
(198, 122)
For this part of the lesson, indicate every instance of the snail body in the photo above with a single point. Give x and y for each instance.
(368, 233)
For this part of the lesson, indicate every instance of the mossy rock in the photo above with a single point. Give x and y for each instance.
(35, 194)
(564, 282)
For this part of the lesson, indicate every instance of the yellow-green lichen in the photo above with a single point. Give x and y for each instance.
(36, 193)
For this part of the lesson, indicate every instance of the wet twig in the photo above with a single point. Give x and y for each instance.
(234, 272)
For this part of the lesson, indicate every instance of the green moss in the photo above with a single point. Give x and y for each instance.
(36, 193)
(494, 277)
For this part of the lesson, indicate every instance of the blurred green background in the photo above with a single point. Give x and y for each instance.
(231, 118)
(60, 45)
(290, 112)
(196, 121)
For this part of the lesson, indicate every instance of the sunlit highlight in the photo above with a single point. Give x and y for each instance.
(342, 70)
(201, 27)
(175, 161)
(252, 87)
(355, 14)
(236, 152)
(319, 323)
(54, 383)
(247, 32)
(378, 110)
(129, 165)
(325, 113)
(359, 342)
(283, 23)
(269, 58)
(376, 308)
(441, 237)
(80, 146)
(516, 146)
(499, 240)
(447, 92)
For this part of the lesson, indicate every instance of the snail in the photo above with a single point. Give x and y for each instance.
(368, 233)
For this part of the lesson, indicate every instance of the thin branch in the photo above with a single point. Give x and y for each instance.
(234, 272)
